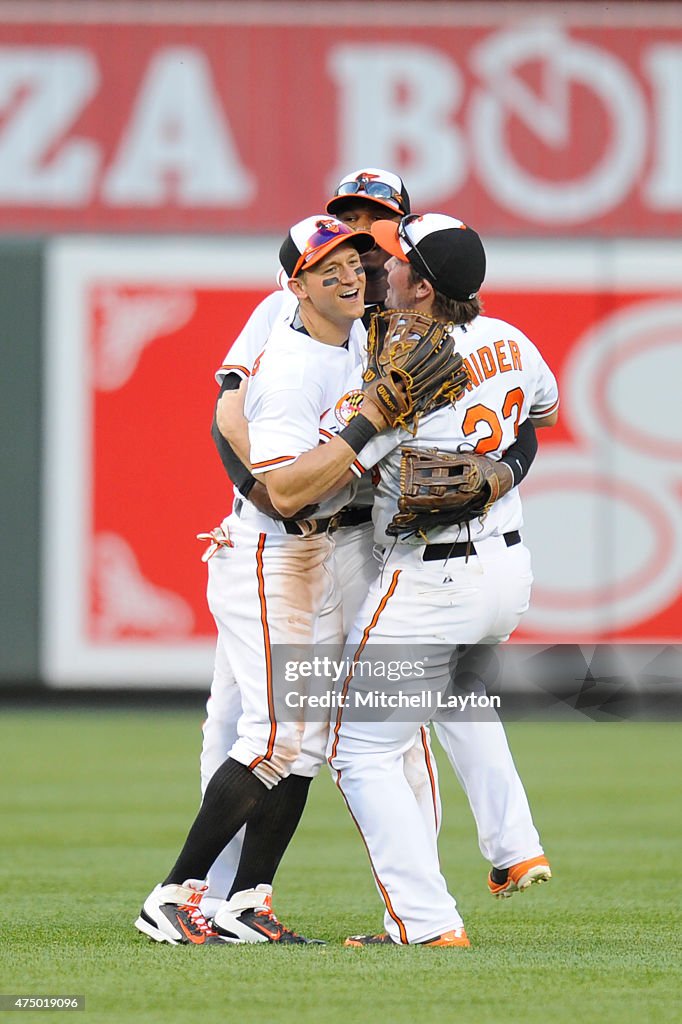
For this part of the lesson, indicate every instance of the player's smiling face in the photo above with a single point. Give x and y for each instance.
(336, 285)
(401, 292)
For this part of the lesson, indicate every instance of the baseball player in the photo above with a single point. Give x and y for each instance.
(360, 199)
(482, 762)
(271, 581)
(462, 587)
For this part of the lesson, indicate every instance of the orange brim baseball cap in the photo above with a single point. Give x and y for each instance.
(442, 249)
(312, 239)
(374, 185)
(385, 233)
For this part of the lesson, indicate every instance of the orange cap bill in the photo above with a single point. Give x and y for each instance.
(386, 234)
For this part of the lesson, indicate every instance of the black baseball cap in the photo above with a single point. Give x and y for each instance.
(311, 239)
(442, 249)
(372, 184)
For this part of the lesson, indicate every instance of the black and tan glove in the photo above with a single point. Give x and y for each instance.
(412, 367)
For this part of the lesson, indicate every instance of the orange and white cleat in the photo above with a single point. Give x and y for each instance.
(504, 882)
(456, 937)
(383, 939)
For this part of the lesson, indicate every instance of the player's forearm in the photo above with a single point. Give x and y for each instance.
(232, 424)
(314, 476)
(239, 442)
(233, 465)
(322, 471)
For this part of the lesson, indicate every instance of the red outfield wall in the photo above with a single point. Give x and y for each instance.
(557, 122)
(136, 331)
(522, 119)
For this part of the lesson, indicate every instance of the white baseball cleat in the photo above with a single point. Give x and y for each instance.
(247, 917)
(172, 914)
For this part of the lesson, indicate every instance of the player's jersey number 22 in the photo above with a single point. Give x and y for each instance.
(477, 414)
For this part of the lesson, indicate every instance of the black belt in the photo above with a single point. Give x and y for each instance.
(308, 527)
(295, 528)
(354, 516)
(346, 517)
(435, 552)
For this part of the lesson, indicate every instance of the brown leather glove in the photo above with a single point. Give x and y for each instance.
(446, 488)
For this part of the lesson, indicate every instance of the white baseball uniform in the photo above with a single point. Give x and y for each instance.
(224, 705)
(448, 601)
(270, 587)
(355, 567)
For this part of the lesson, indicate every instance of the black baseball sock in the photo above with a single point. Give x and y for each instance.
(269, 831)
(231, 797)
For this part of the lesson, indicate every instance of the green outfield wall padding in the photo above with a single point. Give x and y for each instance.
(21, 303)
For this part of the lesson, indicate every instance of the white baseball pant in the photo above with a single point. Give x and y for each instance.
(266, 590)
(479, 600)
(355, 568)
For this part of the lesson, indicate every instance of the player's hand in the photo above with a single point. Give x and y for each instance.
(375, 412)
(258, 496)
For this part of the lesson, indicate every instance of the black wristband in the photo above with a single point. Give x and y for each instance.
(359, 431)
(518, 470)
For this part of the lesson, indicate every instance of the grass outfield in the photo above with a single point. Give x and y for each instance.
(95, 806)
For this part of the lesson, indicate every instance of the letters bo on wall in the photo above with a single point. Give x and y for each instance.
(568, 123)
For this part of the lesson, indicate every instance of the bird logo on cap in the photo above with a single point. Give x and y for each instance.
(333, 226)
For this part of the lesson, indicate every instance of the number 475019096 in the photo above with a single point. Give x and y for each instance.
(46, 1002)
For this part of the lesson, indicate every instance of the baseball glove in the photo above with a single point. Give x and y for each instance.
(412, 366)
(446, 488)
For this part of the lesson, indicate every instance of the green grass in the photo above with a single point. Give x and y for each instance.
(95, 805)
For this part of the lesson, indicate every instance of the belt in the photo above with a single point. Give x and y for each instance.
(309, 527)
(346, 517)
(435, 552)
(354, 516)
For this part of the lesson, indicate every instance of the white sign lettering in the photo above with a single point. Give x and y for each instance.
(42, 91)
(397, 106)
(178, 144)
(565, 62)
(664, 190)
